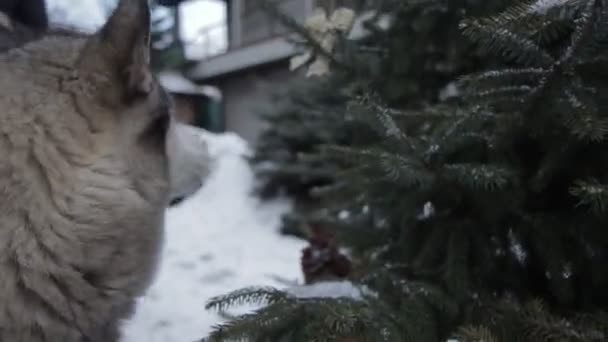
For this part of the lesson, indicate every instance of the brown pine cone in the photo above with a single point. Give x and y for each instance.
(321, 260)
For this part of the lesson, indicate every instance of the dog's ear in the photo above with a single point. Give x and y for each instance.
(123, 45)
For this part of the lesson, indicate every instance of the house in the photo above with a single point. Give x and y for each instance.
(198, 105)
(257, 55)
(255, 60)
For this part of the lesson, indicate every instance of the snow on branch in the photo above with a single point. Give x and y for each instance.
(543, 6)
(330, 289)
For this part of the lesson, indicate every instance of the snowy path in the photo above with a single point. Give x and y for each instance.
(220, 240)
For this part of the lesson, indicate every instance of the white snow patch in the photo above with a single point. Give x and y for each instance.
(543, 6)
(222, 239)
(358, 30)
(175, 82)
(86, 15)
(449, 91)
(330, 289)
(428, 211)
(516, 248)
(344, 215)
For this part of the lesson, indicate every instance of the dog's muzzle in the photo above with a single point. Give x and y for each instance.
(189, 161)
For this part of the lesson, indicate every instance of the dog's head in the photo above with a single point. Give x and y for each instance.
(117, 60)
(91, 156)
(119, 94)
(95, 99)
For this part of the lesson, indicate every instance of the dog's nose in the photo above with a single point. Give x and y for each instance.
(176, 201)
(182, 197)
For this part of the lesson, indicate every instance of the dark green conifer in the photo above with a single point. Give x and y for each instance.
(478, 218)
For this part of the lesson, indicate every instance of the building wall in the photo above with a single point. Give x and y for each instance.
(198, 110)
(246, 93)
(249, 23)
(185, 108)
(257, 25)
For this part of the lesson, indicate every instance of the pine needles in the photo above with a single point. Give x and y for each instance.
(465, 214)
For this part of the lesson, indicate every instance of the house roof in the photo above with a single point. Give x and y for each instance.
(174, 82)
(246, 57)
(268, 51)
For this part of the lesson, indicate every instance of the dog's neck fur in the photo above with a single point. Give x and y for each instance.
(83, 185)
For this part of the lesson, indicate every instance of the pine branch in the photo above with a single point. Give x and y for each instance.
(475, 334)
(499, 40)
(250, 295)
(389, 166)
(504, 93)
(583, 121)
(555, 8)
(383, 115)
(591, 193)
(269, 321)
(505, 82)
(594, 325)
(494, 35)
(599, 41)
(480, 176)
(542, 326)
(583, 31)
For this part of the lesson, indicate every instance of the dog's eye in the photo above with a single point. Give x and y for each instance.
(156, 132)
(164, 105)
(158, 119)
(159, 126)
(162, 111)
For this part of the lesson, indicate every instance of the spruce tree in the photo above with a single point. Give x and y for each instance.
(479, 218)
(411, 53)
(298, 123)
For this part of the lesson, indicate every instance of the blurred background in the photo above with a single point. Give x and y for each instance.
(393, 170)
(214, 55)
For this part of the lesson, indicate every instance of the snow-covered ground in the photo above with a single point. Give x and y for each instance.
(86, 15)
(221, 239)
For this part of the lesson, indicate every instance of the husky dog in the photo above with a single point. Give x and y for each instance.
(90, 157)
